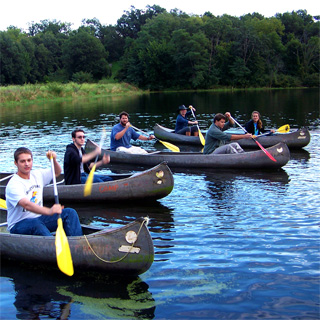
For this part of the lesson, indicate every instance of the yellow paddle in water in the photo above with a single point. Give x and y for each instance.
(89, 181)
(3, 204)
(63, 253)
(202, 139)
(168, 145)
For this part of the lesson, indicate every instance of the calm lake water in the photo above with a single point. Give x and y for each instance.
(228, 244)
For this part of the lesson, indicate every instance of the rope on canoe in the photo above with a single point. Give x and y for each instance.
(145, 220)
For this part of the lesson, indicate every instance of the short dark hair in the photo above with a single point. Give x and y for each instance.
(20, 151)
(74, 132)
(219, 116)
(123, 113)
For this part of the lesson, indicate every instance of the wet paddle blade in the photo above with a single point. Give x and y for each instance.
(3, 204)
(63, 253)
(284, 129)
(88, 185)
(202, 139)
(170, 146)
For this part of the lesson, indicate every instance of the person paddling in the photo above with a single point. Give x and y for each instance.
(182, 122)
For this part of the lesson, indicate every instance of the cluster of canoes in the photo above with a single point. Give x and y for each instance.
(129, 249)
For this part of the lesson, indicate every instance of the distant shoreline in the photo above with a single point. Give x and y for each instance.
(30, 93)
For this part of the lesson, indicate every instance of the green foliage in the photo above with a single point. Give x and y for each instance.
(155, 49)
(82, 77)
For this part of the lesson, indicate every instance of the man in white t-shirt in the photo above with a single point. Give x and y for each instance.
(26, 213)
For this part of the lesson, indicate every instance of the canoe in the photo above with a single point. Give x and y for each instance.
(294, 140)
(246, 160)
(151, 184)
(169, 135)
(127, 250)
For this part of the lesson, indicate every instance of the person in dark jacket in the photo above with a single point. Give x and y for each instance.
(182, 122)
(255, 125)
(77, 163)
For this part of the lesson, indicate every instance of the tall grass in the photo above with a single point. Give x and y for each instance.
(71, 90)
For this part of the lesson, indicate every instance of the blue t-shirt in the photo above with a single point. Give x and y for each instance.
(125, 140)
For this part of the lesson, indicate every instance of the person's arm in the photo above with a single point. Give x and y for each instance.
(142, 137)
(105, 160)
(89, 156)
(241, 136)
(120, 134)
(57, 167)
(32, 207)
(230, 120)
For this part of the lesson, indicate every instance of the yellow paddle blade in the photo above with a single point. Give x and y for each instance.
(3, 204)
(202, 139)
(285, 128)
(170, 146)
(64, 259)
(88, 185)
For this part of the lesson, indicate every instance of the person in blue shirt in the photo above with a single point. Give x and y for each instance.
(122, 133)
(255, 125)
(217, 141)
(182, 122)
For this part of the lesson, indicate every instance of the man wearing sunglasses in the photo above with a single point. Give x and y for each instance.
(77, 163)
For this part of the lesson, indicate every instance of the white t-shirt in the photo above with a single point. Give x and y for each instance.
(19, 188)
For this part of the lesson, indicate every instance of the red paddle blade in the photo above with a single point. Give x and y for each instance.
(265, 151)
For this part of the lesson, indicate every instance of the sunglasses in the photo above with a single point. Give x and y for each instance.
(80, 137)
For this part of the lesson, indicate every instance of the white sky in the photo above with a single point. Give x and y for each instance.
(19, 13)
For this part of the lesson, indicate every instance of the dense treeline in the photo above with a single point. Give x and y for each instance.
(155, 49)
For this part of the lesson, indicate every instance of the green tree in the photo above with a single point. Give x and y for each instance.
(12, 62)
(83, 52)
(131, 22)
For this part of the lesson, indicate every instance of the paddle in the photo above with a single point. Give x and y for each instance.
(200, 133)
(63, 253)
(260, 146)
(3, 204)
(283, 129)
(88, 184)
(7, 177)
(168, 145)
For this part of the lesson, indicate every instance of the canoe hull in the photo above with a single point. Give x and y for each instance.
(166, 134)
(247, 160)
(151, 184)
(110, 246)
(294, 140)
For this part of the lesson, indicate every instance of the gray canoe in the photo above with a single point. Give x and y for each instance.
(294, 140)
(151, 184)
(246, 160)
(127, 250)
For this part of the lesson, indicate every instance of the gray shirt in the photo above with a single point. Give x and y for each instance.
(215, 137)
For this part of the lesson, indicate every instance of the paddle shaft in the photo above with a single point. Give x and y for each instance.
(7, 177)
(259, 144)
(135, 128)
(200, 133)
(195, 118)
(55, 190)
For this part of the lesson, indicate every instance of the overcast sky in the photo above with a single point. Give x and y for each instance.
(19, 13)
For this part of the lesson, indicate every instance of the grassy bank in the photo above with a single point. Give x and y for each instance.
(53, 91)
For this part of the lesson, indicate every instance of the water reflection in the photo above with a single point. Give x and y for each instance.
(161, 217)
(40, 294)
